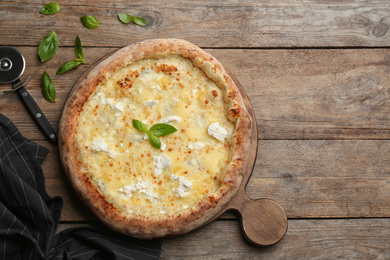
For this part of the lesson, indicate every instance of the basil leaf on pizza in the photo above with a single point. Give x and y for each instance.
(154, 140)
(155, 131)
(140, 126)
(162, 129)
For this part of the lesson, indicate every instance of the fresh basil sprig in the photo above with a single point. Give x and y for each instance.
(126, 18)
(154, 132)
(90, 21)
(74, 63)
(50, 8)
(48, 89)
(48, 46)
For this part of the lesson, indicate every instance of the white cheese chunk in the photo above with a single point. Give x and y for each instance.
(196, 146)
(101, 98)
(142, 187)
(194, 162)
(156, 87)
(99, 145)
(101, 185)
(131, 106)
(119, 106)
(116, 105)
(163, 146)
(184, 186)
(151, 103)
(161, 162)
(217, 131)
(138, 137)
(170, 119)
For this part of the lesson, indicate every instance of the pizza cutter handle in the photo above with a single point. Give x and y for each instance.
(37, 114)
(263, 221)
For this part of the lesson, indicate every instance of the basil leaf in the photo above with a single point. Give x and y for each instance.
(154, 140)
(140, 126)
(50, 8)
(48, 89)
(162, 129)
(48, 46)
(125, 18)
(78, 49)
(90, 21)
(68, 66)
(154, 132)
(140, 21)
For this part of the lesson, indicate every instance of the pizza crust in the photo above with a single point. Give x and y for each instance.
(161, 225)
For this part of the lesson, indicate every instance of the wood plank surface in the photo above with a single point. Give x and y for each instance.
(232, 23)
(305, 239)
(296, 94)
(318, 75)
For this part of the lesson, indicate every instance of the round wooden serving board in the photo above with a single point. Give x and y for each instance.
(263, 221)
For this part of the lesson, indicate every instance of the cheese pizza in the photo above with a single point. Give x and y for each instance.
(132, 186)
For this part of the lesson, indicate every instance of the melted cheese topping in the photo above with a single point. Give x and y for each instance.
(133, 175)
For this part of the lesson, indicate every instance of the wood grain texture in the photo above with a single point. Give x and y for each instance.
(296, 94)
(305, 239)
(231, 23)
(322, 110)
(324, 178)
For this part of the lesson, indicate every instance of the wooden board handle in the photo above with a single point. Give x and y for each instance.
(263, 221)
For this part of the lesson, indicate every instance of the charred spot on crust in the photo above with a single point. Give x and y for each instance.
(214, 93)
(234, 112)
(232, 94)
(212, 199)
(165, 68)
(79, 103)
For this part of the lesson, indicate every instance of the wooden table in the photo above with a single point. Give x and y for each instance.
(318, 76)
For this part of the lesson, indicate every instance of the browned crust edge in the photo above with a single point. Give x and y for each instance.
(161, 225)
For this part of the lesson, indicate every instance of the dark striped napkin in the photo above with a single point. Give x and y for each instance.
(29, 217)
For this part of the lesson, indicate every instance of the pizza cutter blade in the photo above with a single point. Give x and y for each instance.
(12, 66)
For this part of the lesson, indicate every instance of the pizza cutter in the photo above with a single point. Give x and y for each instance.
(12, 66)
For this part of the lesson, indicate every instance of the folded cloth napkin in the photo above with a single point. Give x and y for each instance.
(29, 217)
